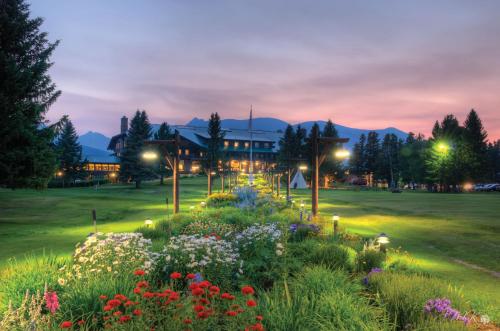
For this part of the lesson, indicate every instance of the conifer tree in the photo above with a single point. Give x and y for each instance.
(332, 167)
(214, 147)
(132, 166)
(287, 153)
(27, 158)
(475, 137)
(164, 133)
(69, 152)
(372, 151)
(358, 159)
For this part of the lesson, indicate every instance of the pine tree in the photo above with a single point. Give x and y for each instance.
(372, 151)
(358, 159)
(214, 147)
(287, 153)
(493, 153)
(412, 158)
(164, 133)
(331, 168)
(132, 167)
(27, 158)
(389, 161)
(475, 137)
(69, 152)
(300, 141)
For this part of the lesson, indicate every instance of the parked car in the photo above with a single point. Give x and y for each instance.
(478, 187)
(491, 187)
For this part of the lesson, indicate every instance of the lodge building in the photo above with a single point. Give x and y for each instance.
(235, 149)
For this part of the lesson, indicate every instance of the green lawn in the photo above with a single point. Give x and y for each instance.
(438, 229)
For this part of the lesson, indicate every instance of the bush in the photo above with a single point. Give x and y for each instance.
(300, 232)
(404, 297)
(334, 256)
(209, 227)
(221, 199)
(369, 259)
(320, 299)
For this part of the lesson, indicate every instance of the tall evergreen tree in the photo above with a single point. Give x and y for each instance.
(164, 133)
(412, 158)
(475, 137)
(26, 93)
(331, 168)
(69, 152)
(494, 161)
(372, 151)
(214, 147)
(132, 166)
(287, 153)
(389, 161)
(300, 141)
(357, 161)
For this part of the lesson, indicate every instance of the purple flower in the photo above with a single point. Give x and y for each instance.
(443, 308)
(366, 279)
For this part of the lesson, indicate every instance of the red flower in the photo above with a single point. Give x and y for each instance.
(204, 283)
(190, 276)
(231, 313)
(257, 327)
(107, 308)
(142, 283)
(129, 303)
(103, 297)
(198, 308)
(188, 321)
(139, 272)
(148, 295)
(225, 295)
(251, 303)
(66, 324)
(114, 303)
(214, 289)
(174, 296)
(125, 318)
(259, 318)
(120, 297)
(204, 301)
(80, 322)
(117, 313)
(247, 290)
(197, 291)
(175, 275)
(137, 312)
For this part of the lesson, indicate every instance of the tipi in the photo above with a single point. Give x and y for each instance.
(298, 181)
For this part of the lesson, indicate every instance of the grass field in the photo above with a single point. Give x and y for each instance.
(444, 232)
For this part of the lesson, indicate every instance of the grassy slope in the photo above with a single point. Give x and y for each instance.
(435, 228)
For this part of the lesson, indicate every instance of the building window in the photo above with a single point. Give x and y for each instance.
(247, 144)
(105, 167)
(266, 145)
(257, 144)
(201, 154)
(236, 144)
(186, 151)
(226, 143)
(91, 167)
(180, 151)
(98, 167)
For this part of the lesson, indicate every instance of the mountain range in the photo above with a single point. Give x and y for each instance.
(95, 142)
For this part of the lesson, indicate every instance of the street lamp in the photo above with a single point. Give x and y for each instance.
(303, 167)
(443, 147)
(148, 223)
(336, 219)
(342, 154)
(149, 155)
(382, 240)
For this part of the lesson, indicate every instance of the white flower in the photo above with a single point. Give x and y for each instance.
(279, 253)
(61, 281)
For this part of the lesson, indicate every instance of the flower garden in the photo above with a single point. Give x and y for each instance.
(245, 260)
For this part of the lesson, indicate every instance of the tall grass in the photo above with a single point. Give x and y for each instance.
(32, 273)
(404, 297)
(320, 299)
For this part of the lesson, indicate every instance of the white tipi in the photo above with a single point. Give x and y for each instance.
(298, 181)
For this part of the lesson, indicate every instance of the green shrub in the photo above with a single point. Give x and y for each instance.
(402, 262)
(33, 274)
(369, 259)
(404, 296)
(334, 256)
(320, 299)
(221, 199)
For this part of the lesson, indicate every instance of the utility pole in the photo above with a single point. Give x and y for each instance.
(318, 158)
(173, 161)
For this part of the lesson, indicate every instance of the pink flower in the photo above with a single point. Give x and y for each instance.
(52, 301)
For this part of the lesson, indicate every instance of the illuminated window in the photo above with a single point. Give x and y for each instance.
(117, 167)
(186, 151)
(226, 143)
(236, 144)
(105, 167)
(98, 167)
(91, 166)
(180, 151)
(201, 154)
(247, 144)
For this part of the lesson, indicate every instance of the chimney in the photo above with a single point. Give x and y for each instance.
(124, 125)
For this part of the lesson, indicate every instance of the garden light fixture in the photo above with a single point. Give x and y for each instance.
(149, 155)
(148, 223)
(342, 154)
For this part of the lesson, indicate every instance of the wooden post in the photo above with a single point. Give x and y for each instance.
(315, 171)
(335, 228)
(209, 188)
(288, 179)
(272, 183)
(175, 184)
(94, 219)
(278, 186)
(222, 181)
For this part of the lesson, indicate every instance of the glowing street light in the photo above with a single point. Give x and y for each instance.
(382, 240)
(443, 147)
(342, 154)
(149, 155)
(303, 167)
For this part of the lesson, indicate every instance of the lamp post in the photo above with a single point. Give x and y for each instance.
(172, 160)
(336, 219)
(382, 240)
(317, 159)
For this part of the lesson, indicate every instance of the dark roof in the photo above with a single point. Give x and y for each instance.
(114, 139)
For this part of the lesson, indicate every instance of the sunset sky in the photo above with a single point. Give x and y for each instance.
(364, 64)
